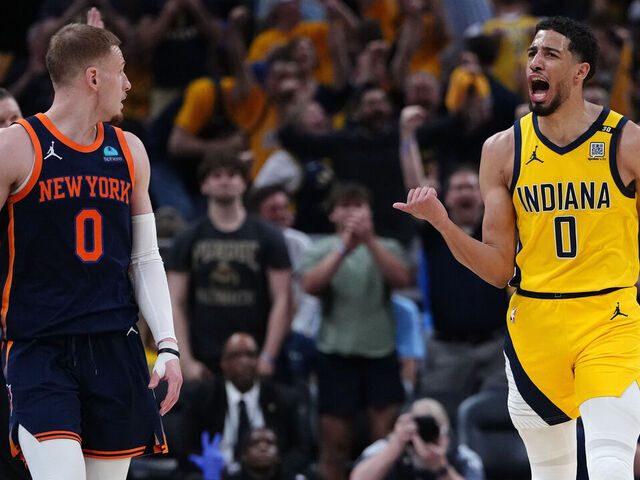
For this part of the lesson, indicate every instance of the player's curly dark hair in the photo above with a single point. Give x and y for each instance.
(582, 41)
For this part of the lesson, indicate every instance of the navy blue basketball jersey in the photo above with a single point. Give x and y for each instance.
(65, 251)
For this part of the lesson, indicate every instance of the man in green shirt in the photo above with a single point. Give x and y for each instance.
(353, 273)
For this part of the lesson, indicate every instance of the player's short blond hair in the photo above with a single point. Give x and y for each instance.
(74, 48)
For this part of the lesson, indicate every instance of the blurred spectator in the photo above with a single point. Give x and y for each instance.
(273, 205)
(513, 26)
(473, 91)
(595, 93)
(353, 273)
(461, 14)
(478, 105)
(244, 106)
(287, 25)
(422, 91)
(309, 10)
(307, 179)
(9, 109)
(578, 9)
(419, 448)
(372, 67)
(260, 459)
(464, 353)
(364, 151)
(175, 161)
(228, 272)
(10, 468)
(32, 87)
(385, 12)
(422, 38)
(332, 97)
(615, 62)
(236, 402)
(179, 39)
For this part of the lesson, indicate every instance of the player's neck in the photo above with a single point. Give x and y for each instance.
(73, 119)
(569, 121)
(226, 217)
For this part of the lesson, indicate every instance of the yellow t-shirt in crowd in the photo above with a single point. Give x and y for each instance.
(386, 13)
(317, 32)
(254, 115)
(517, 34)
(427, 57)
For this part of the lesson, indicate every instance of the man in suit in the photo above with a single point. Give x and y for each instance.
(217, 407)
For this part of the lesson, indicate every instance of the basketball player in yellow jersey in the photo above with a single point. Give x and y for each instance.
(560, 207)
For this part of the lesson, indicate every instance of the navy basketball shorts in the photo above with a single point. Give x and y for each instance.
(89, 388)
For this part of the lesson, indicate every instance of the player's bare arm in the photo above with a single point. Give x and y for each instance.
(140, 201)
(627, 156)
(493, 258)
(149, 280)
(17, 156)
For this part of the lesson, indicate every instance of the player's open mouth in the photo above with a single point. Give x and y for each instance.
(539, 89)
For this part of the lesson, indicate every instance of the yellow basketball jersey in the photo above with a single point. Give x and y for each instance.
(577, 222)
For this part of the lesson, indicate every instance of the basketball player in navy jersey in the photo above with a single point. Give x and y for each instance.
(78, 258)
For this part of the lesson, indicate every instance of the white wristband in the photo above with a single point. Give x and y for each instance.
(160, 366)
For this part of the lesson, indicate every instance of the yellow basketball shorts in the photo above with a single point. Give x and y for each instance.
(565, 351)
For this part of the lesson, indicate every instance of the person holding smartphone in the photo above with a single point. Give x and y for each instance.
(419, 448)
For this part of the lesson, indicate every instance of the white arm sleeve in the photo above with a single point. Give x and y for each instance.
(149, 278)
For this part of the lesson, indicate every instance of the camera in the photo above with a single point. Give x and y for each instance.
(428, 428)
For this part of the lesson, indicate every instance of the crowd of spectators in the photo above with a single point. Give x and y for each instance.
(280, 133)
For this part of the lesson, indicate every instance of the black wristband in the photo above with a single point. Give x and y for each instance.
(169, 350)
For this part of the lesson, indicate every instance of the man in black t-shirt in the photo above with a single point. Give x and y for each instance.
(228, 272)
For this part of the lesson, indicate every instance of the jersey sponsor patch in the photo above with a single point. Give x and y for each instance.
(596, 151)
(111, 154)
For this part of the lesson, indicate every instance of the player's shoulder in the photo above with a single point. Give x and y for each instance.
(630, 133)
(15, 145)
(629, 143)
(498, 157)
(13, 136)
(17, 153)
(500, 143)
(136, 147)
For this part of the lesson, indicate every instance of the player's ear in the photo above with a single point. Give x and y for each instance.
(91, 77)
(582, 71)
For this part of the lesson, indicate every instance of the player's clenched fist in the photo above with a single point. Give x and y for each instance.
(423, 203)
